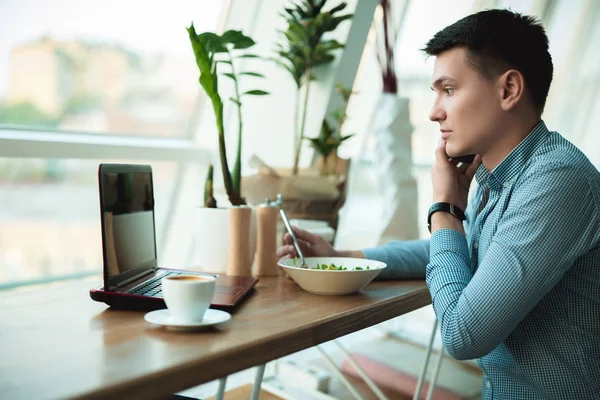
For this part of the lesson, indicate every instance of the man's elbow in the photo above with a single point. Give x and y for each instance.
(462, 351)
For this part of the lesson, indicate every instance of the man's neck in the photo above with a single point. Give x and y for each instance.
(508, 140)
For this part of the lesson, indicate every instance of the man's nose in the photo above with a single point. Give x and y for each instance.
(437, 112)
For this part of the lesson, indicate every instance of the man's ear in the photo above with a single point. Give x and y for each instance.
(512, 89)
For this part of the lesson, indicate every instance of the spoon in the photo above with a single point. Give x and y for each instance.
(286, 221)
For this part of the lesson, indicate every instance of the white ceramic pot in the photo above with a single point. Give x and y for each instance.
(392, 130)
(211, 239)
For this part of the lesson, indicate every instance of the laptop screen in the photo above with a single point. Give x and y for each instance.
(128, 212)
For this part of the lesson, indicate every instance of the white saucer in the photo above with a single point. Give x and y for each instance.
(164, 318)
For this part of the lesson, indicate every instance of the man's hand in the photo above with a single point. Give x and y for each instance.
(450, 182)
(312, 246)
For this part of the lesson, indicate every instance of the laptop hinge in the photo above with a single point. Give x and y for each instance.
(134, 278)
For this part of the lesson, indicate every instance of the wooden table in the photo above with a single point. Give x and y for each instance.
(58, 343)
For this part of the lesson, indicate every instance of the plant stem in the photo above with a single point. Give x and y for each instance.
(323, 170)
(335, 160)
(339, 137)
(304, 112)
(237, 166)
(209, 198)
(296, 107)
(223, 157)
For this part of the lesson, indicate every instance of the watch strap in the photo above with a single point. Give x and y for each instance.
(445, 207)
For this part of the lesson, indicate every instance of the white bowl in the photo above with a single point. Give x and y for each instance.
(333, 282)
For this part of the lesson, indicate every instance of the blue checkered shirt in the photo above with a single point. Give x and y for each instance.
(521, 292)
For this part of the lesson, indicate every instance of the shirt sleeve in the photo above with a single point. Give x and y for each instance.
(404, 259)
(549, 222)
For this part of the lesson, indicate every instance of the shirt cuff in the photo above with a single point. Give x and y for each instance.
(449, 270)
(448, 240)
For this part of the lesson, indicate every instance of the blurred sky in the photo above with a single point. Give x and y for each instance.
(142, 26)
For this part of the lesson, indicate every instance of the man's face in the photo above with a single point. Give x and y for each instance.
(466, 105)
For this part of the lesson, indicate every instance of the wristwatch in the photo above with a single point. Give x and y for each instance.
(445, 207)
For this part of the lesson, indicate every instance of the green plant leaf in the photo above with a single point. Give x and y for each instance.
(256, 92)
(337, 8)
(235, 101)
(237, 39)
(229, 75)
(338, 114)
(248, 55)
(214, 42)
(252, 74)
(337, 20)
(330, 45)
(201, 47)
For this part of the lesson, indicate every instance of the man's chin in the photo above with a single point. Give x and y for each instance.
(453, 152)
(459, 154)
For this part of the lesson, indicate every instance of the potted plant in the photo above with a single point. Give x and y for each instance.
(305, 47)
(214, 52)
(218, 56)
(330, 138)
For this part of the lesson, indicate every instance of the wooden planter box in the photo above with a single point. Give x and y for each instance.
(305, 196)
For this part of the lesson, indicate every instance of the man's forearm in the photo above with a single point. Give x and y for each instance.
(404, 259)
(351, 253)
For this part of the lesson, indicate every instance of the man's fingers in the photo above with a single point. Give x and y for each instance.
(463, 167)
(284, 251)
(441, 157)
(304, 246)
(287, 239)
(291, 249)
(303, 235)
(472, 168)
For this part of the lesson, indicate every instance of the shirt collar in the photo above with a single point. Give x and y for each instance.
(509, 168)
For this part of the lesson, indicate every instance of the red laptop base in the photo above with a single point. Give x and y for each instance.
(230, 291)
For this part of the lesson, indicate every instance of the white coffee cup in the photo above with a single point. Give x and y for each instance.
(188, 296)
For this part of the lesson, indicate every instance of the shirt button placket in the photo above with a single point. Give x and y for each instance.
(489, 394)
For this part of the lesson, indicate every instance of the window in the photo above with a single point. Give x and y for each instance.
(110, 66)
(50, 218)
(88, 82)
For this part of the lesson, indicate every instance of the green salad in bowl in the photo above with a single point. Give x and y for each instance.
(330, 267)
(332, 275)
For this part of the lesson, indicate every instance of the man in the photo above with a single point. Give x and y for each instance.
(521, 289)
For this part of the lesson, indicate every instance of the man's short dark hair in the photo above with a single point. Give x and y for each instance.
(499, 40)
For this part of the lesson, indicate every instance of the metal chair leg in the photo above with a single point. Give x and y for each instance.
(436, 372)
(417, 393)
(380, 395)
(260, 371)
(341, 376)
(221, 391)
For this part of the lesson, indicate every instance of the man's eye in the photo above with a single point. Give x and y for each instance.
(448, 91)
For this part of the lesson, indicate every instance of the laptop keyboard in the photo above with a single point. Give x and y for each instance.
(153, 288)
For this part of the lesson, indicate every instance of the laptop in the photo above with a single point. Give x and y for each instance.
(132, 277)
